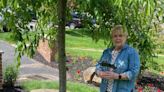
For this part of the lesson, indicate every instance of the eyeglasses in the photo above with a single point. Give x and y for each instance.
(120, 35)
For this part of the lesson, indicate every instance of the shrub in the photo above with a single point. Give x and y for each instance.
(9, 75)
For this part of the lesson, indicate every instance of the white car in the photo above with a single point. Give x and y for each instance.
(32, 25)
(2, 26)
(1, 19)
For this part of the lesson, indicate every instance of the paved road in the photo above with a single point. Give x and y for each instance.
(29, 69)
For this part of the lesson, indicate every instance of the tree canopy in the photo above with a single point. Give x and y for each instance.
(139, 17)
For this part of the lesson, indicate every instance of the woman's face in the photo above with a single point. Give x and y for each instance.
(118, 38)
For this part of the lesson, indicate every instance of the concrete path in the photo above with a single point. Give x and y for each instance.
(45, 90)
(29, 69)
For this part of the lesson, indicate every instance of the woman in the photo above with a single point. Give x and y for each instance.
(124, 58)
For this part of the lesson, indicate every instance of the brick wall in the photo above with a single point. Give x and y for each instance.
(45, 51)
(1, 76)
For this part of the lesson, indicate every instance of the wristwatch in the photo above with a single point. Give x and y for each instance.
(119, 76)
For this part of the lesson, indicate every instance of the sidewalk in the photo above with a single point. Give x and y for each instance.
(29, 69)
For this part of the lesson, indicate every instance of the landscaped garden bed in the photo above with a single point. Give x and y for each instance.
(148, 82)
(13, 89)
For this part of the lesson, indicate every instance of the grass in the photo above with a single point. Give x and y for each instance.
(6, 36)
(84, 53)
(83, 42)
(80, 43)
(160, 60)
(71, 87)
(160, 51)
(157, 68)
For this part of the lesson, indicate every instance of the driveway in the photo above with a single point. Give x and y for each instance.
(29, 69)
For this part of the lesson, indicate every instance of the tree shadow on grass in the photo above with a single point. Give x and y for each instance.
(79, 32)
(13, 89)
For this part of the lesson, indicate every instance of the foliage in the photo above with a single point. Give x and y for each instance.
(10, 75)
(138, 17)
(19, 18)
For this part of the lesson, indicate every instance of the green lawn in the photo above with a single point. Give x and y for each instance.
(71, 86)
(6, 37)
(160, 51)
(83, 42)
(160, 59)
(80, 43)
(86, 53)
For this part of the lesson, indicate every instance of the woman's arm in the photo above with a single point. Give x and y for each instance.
(131, 73)
(134, 66)
(99, 69)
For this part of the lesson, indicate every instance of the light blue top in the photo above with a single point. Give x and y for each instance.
(126, 62)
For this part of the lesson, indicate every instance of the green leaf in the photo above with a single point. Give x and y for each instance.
(130, 1)
(4, 2)
(15, 4)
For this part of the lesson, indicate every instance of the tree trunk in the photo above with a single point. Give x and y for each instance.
(61, 44)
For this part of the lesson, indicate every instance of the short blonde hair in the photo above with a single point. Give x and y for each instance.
(119, 28)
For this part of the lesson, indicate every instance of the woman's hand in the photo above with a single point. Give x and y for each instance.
(111, 75)
(108, 74)
(102, 74)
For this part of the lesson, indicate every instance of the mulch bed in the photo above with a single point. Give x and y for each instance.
(13, 89)
(151, 80)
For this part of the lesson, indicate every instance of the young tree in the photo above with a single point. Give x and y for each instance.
(61, 44)
(48, 13)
